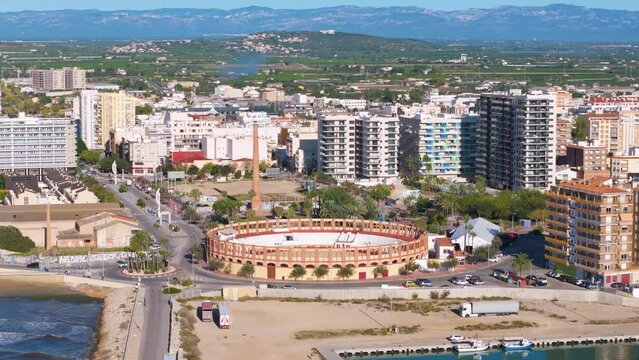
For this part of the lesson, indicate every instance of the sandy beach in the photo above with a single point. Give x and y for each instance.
(265, 329)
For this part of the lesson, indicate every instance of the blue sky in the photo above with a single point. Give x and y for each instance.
(17, 5)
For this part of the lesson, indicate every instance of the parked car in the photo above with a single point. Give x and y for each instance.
(409, 284)
(288, 287)
(617, 285)
(424, 282)
(497, 272)
(493, 260)
(458, 281)
(542, 281)
(589, 285)
(476, 281)
(468, 276)
(122, 264)
(33, 265)
(271, 286)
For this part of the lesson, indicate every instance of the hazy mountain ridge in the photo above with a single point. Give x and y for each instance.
(552, 22)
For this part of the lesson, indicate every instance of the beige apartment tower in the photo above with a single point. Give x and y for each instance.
(115, 110)
(66, 79)
(589, 226)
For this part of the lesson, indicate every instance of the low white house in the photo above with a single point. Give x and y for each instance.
(480, 233)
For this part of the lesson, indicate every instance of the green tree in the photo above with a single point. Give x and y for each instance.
(379, 271)
(579, 129)
(278, 211)
(197, 252)
(346, 272)
(143, 110)
(247, 270)
(216, 264)
(123, 188)
(292, 210)
(80, 146)
(191, 214)
(320, 272)
(379, 192)
(192, 170)
(226, 207)
(106, 162)
(90, 156)
(297, 272)
(336, 202)
(141, 203)
(12, 239)
(521, 262)
(195, 194)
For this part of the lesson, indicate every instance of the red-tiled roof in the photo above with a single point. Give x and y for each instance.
(444, 241)
(186, 156)
(618, 99)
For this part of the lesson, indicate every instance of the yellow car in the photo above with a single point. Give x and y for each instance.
(409, 284)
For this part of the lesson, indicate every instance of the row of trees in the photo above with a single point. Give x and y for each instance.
(144, 259)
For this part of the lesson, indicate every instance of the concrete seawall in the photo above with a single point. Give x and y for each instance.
(474, 292)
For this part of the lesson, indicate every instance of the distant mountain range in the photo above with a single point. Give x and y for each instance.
(547, 23)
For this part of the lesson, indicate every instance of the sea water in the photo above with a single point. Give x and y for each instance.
(45, 327)
(622, 351)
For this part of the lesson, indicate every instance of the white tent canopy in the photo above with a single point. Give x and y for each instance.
(484, 231)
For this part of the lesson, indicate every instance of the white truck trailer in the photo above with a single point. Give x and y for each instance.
(224, 315)
(482, 308)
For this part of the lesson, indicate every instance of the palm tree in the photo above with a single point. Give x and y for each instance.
(468, 228)
(521, 262)
(195, 194)
(472, 239)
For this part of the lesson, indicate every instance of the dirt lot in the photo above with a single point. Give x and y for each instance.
(280, 187)
(265, 329)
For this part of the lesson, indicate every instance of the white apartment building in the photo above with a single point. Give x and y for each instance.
(302, 150)
(353, 104)
(233, 148)
(376, 148)
(363, 147)
(146, 156)
(28, 144)
(628, 131)
(187, 130)
(228, 92)
(337, 146)
(87, 104)
(249, 118)
(58, 79)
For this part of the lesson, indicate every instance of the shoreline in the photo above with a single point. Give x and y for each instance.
(110, 336)
(432, 348)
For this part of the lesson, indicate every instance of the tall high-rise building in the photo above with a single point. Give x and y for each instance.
(604, 129)
(114, 110)
(376, 147)
(564, 137)
(590, 227)
(336, 134)
(58, 79)
(29, 145)
(516, 141)
(87, 109)
(628, 131)
(363, 146)
(443, 144)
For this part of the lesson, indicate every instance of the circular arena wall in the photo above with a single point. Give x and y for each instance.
(275, 247)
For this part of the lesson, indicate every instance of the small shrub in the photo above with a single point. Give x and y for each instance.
(187, 282)
(445, 294)
(171, 291)
(415, 296)
(384, 299)
(434, 295)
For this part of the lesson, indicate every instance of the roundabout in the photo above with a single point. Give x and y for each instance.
(126, 273)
